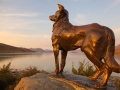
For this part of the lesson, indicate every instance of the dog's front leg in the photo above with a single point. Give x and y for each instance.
(56, 53)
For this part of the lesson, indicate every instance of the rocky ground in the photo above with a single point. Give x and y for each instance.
(42, 81)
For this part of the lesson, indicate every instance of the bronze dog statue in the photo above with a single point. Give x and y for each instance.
(96, 41)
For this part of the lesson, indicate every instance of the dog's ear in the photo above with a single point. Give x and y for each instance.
(60, 7)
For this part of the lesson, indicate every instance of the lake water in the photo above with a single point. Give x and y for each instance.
(44, 61)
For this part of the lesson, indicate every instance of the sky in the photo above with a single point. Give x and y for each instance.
(25, 23)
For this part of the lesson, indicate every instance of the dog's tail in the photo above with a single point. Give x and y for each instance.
(109, 57)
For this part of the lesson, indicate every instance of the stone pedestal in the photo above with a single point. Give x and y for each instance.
(82, 82)
(42, 81)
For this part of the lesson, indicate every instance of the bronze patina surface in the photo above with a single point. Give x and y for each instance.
(96, 41)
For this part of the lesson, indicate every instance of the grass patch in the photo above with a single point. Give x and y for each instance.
(9, 80)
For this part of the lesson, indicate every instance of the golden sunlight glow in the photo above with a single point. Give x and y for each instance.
(27, 41)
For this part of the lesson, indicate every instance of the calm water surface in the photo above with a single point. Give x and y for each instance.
(44, 61)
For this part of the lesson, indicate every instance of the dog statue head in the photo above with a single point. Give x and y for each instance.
(61, 13)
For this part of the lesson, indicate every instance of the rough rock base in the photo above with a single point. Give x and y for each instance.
(42, 81)
(82, 82)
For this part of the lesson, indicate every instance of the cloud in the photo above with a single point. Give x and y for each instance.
(81, 19)
(75, 0)
(117, 32)
(21, 15)
(5, 9)
(115, 3)
(117, 35)
(47, 36)
(19, 20)
(12, 23)
(18, 35)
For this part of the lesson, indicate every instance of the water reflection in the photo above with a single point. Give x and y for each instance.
(44, 61)
(117, 57)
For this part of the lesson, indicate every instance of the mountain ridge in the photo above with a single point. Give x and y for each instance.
(4, 48)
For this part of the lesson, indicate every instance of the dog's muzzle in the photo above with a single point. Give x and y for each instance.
(52, 18)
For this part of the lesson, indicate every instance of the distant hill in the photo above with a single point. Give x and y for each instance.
(40, 50)
(37, 49)
(117, 49)
(4, 48)
(48, 50)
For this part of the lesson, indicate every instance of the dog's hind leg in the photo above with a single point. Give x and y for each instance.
(99, 73)
(93, 49)
(107, 73)
(90, 55)
(99, 65)
(102, 68)
(63, 60)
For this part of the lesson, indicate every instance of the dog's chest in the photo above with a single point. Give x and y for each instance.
(67, 38)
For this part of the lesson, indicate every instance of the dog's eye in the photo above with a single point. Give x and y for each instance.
(58, 14)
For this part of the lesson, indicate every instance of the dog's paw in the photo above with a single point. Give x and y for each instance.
(100, 86)
(92, 78)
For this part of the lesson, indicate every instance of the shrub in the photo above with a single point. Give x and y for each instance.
(8, 80)
(85, 69)
(29, 71)
(6, 77)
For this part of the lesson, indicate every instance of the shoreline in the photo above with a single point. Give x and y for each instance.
(19, 71)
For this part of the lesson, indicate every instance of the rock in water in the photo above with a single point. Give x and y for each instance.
(42, 81)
